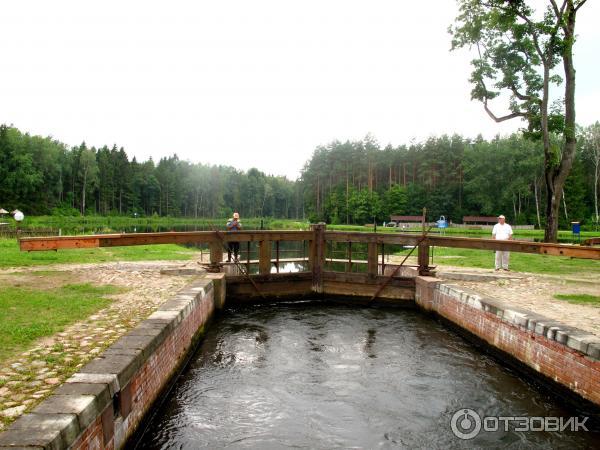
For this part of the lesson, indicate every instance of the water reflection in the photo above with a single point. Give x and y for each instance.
(370, 343)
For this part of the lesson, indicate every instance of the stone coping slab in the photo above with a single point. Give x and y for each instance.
(61, 418)
(475, 276)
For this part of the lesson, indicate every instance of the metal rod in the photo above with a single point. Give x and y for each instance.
(239, 266)
(387, 281)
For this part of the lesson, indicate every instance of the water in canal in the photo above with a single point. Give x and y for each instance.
(317, 375)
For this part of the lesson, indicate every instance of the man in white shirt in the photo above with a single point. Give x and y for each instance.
(502, 231)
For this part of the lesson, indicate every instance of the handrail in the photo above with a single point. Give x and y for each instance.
(214, 239)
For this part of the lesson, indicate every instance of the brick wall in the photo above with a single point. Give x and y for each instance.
(102, 405)
(563, 354)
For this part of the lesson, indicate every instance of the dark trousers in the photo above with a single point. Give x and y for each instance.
(235, 248)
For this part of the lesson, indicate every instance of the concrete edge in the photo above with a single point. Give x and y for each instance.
(89, 394)
(582, 341)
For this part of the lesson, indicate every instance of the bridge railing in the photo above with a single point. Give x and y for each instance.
(316, 241)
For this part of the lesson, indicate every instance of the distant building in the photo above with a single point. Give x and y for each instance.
(405, 219)
(479, 220)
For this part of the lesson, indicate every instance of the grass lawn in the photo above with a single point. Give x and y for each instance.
(11, 256)
(580, 299)
(519, 262)
(27, 314)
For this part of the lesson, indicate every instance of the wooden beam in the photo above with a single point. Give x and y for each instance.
(372, 259)
(349, 265)
(363, 278)
(591, 241)
(574, 251)
(195, 237)
(379, 238)
(423, 258)
(45, 244)
(175, 237)
(264, 257)
(272, 286)
(275, 235)
(115, 240)
(365, 286)
(270, 278)
(317, 257)
(216, 256)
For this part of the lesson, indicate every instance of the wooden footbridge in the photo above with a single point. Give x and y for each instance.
(321, 273)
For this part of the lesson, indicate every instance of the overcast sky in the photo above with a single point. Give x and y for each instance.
(248, 83)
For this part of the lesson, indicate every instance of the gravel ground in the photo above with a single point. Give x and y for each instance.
(32, 376)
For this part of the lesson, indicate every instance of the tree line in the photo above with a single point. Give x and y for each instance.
(359, 182)
(41, 175)
(354, 182)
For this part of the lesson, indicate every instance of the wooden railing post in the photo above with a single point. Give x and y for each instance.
(317, 256)
(424, 258)
(349, 265)
(216, 256)
(372, 260)
(264, 257)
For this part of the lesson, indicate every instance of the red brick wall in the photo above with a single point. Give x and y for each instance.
(560, 363)
(91, 439)
(148, 381)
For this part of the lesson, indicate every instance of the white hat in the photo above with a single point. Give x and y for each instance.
(501, 217)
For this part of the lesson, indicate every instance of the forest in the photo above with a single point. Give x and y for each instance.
(343, 182)
(40, 175)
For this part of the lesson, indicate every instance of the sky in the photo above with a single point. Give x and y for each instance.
(249, 83)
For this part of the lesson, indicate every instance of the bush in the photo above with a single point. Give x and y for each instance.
(65, 211)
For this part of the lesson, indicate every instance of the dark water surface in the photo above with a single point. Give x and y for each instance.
(324, 376)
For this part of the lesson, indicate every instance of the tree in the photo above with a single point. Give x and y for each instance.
(518, 52)
(364, 205)
(88, 171)
(591, 151)
(395, 200)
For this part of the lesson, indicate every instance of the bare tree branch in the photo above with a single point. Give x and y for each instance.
(558, 13)
(503, 118)
(580, 5)
(525, 98)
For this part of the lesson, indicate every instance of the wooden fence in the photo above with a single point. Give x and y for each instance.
(319, 274)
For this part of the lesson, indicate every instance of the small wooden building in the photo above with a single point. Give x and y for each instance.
(406, 219)
(479, 220)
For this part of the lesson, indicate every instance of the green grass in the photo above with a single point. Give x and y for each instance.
(11, 256)
(27, 314)
(580, 299)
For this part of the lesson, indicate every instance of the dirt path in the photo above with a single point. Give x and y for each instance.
(31, 376)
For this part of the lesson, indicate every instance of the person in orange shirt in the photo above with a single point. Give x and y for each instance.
(234, 224)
